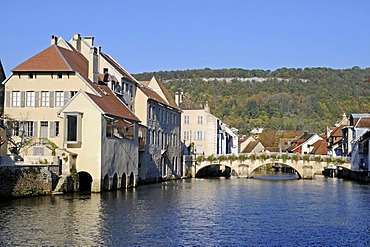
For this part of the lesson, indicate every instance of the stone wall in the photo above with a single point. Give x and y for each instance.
(25, 181)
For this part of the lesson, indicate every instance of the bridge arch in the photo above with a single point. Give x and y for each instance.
(214, 170)
(269, 162)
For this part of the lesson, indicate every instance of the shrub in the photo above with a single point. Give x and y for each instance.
(306, 158)
(274, 156)
(200, 159)
(222, 158)
(328, 160)
(263, 157)
(252, 157)
(211, 158)
(318, 158)
(285, 157)
(232, 158)
(295, 157)
(242, 157)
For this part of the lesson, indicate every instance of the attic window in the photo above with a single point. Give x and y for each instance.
(60, 75)
(30, 76)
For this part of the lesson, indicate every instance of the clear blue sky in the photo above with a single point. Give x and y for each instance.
(149, 35)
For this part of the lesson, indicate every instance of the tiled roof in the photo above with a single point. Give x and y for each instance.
(188, 104)
(50, 59)
(110, 104)
(363, 122)
(152, 94)
(337, 132)
(320, 147)
(273, 149)
(118, 67)
(250, 147)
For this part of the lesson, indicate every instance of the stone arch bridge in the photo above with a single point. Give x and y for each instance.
(305, 169)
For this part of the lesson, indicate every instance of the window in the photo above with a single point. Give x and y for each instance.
(131, 92)
(28, 128)
(60, 75)
(72, 125)
(59, 98)
(186, 135)
(186, 119)
(16, 98)
(30, 99)
(199, 135)
(45, 99)
(30, 76)
(15, 128)
(200, 119)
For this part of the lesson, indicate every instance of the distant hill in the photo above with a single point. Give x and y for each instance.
(285, 99)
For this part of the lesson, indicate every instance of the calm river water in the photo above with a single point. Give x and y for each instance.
(197, 212)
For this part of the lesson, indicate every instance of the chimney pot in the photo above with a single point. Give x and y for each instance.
(54, 40)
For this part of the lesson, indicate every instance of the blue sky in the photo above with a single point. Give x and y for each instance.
(145, 36)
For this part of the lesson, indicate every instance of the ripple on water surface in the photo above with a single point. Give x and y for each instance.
(213, 212)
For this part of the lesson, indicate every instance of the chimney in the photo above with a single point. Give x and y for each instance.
(177, 98)
(76, 41)
(93, 65)
(54, 40)
(89, 40)
(206, 107)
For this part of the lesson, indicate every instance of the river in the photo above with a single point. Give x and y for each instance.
(197, 212)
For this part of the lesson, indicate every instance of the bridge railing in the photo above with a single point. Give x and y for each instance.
(267, 156)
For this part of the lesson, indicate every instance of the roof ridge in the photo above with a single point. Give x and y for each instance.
(64, 59)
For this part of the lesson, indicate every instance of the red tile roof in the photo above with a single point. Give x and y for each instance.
(152, 94)
(320, 147)
(250, 147)
(110, 104)
(50, 59)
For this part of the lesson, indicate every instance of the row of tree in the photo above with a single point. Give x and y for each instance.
(286, 99)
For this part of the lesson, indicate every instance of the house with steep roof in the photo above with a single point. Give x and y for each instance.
(160, 114)
(58, 106)
(203, 132)
(358, 125)
(335, 137)
(251, 145)
(303, 144)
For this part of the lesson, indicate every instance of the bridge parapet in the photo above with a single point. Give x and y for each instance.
(244, 164)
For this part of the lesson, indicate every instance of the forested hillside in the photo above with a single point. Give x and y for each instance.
(285, 99)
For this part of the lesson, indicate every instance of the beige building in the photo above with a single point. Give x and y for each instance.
(63, 113)
(203, 132)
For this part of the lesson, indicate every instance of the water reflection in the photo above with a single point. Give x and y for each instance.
(215, 212)
(270, 173)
